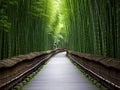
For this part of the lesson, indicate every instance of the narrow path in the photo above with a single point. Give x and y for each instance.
(59, 74)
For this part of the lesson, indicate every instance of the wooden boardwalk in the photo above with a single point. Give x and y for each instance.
(59, 74)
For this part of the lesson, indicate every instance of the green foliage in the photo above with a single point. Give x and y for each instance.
(89, 26)
(23, 25)
(94, 27)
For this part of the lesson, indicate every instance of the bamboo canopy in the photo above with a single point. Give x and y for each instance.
(87, 26)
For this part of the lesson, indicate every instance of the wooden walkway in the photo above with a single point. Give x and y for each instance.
(59, 74)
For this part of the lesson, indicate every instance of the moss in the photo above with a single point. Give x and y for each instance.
(16, 88)
(27, 79)
(24, 82)
(20, 85)
(91, 79)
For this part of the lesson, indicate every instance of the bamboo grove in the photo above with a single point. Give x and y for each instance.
(23, 25)
(94, 27)
(88, 26)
